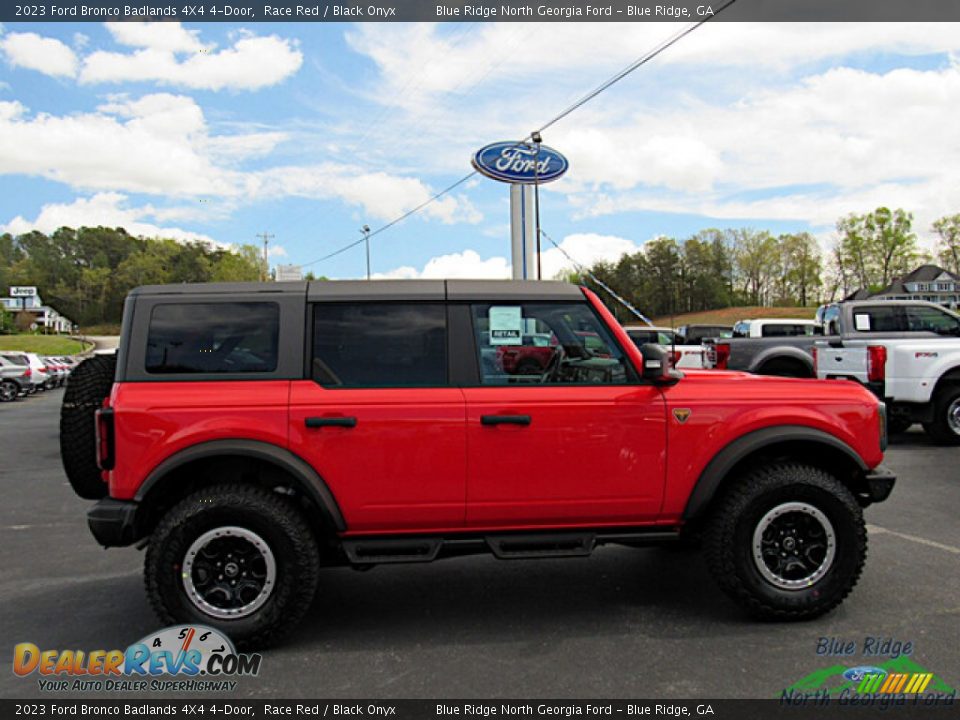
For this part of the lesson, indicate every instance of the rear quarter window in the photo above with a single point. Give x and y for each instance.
(213, 338)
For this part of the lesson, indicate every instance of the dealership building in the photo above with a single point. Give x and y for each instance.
(27, 300)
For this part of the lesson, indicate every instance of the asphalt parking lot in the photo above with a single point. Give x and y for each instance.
(624, 623)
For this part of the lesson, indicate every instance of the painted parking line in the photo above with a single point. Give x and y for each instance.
(877, 530)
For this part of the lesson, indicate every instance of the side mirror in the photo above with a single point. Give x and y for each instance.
(657, 367)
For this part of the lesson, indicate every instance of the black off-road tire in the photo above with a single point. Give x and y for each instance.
(940, 429)
(728, 540)
(274, 518)
(89, 384)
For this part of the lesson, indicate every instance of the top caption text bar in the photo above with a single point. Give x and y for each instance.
(247, 11)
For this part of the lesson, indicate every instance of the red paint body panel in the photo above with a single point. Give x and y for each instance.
(727, 405)
(404, 464)
(154, 420)
(590, 455)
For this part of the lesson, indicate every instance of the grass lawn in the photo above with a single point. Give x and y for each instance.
(728, 316)
(41, 344)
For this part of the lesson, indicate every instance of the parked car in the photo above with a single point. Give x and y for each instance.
(249, 434)
(56, 369)
(682, 356)
(38, 375)
(918, 377)
(14, 379)
(793, 356)
(696, 334)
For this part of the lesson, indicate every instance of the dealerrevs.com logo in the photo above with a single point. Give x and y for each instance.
(179, 658)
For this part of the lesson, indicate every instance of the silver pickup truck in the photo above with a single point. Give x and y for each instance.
(793, 356)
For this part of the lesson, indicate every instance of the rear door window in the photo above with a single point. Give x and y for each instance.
(930, 319)
(380, 345)
(213, 338)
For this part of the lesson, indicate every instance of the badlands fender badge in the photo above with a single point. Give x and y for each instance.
(682, 414)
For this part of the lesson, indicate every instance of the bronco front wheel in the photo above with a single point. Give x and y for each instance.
(787, 542)
(239, 558)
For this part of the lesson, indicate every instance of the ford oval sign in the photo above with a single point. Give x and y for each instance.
(517, 162)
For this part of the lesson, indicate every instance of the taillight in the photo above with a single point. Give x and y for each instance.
(814, 353)
(675, 356)
(876, 363)
(722, 355)
(104, 432)
(42, 368)
(28, 372)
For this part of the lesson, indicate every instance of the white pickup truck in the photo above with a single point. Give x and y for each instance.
(683, 357)
(918, 376)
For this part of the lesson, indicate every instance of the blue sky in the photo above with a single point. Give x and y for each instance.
(309, 131)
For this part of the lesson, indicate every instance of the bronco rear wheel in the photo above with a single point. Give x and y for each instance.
(788, 542)
(240, 558)
(88, 386)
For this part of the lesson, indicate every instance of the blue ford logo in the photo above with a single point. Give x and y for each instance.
(855, 674)
(516, 162)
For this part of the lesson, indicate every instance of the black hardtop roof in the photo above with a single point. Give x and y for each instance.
(360, 290)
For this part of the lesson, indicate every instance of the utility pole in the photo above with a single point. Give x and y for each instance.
(266, 264)
(366, 237)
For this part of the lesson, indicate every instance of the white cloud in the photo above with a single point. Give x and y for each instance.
(381, 195)
(166, 36)
(34, 52)
(154, 144)
(103, 209)
(253, 62)
(843, 141)
(277, 251)
(584, 248)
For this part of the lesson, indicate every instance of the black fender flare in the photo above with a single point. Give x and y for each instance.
(724, 461)
(308, 478)
(785, 353)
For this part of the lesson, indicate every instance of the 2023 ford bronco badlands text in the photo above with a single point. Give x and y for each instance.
(251, 434)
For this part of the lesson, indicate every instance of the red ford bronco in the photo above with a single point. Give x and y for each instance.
(250, 434)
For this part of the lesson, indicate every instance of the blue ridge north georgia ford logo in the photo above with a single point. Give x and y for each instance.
(519, 162)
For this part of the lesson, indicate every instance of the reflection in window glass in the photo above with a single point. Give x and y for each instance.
(380, 345)
(932, 320)
(213, 338)
(548, 343)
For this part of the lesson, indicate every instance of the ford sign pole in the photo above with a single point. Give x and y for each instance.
(521, 165)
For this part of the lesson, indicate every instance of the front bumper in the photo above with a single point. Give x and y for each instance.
(879, 484)
(113, 522)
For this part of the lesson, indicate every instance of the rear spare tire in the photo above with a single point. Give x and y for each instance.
(89, 384)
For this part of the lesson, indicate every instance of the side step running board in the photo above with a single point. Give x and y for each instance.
(510, 547)
(376, 551)
(392, 550)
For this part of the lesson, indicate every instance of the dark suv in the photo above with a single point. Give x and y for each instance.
(251, 434)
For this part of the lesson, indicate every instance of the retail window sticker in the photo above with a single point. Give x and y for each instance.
(506, 325)
(862, 322)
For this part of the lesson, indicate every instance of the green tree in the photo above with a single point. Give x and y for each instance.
(242, 265)
(876, 247)
(801, 268)
(948, 246)
(756, 262)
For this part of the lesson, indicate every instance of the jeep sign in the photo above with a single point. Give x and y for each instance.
(22, 291)
(518, 162)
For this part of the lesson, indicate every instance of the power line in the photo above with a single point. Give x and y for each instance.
(585, 271)
(638, 63)
(396, 220)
